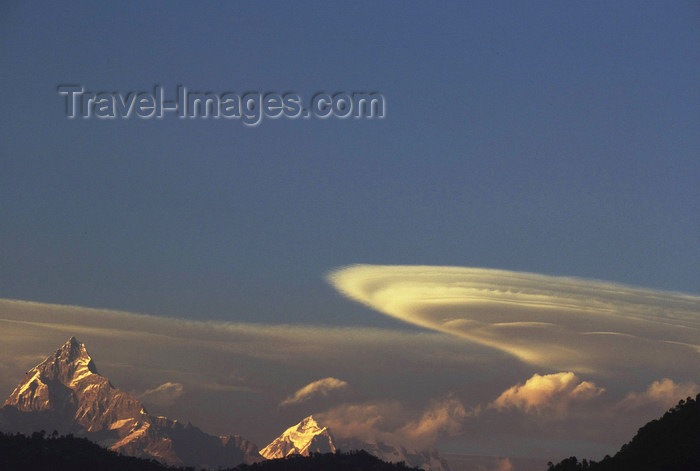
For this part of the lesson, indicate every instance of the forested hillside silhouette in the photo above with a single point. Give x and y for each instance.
(671, 443)
(351, 461)
(42, 452)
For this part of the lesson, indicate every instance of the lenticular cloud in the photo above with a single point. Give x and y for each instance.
(565, 324)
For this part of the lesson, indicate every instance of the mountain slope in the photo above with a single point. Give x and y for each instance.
(309, 437)
(66, 393)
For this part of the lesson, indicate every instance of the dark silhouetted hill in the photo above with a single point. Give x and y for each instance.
(352, 461)
(38, 452)
(671, 443)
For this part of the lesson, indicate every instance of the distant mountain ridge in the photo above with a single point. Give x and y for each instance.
(308, 437)
(40, 452)
(66, 393)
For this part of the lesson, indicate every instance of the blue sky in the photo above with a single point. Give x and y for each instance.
(554, 138)
(557, 137)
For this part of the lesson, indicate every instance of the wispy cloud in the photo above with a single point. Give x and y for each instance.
(164, 395)
(368, 421)
(321, 387)
(441, 418)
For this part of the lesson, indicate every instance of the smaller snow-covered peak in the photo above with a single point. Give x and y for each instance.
(304, 431)
(305, 437)
(308, 436)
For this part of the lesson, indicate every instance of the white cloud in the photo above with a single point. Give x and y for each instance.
(547, 393)
(164, 395)
(321, 387)
(664, 393)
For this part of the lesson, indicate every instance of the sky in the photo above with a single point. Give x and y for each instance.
(521, 143)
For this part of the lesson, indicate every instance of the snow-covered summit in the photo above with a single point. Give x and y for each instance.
(48, 385)
(306, 427)
(304, 438)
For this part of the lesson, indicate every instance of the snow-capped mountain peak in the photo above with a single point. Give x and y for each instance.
(304, 438)
(68, 368)
(71, 360)
(66, 393)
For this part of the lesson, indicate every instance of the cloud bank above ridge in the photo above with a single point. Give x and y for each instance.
(186, 368)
